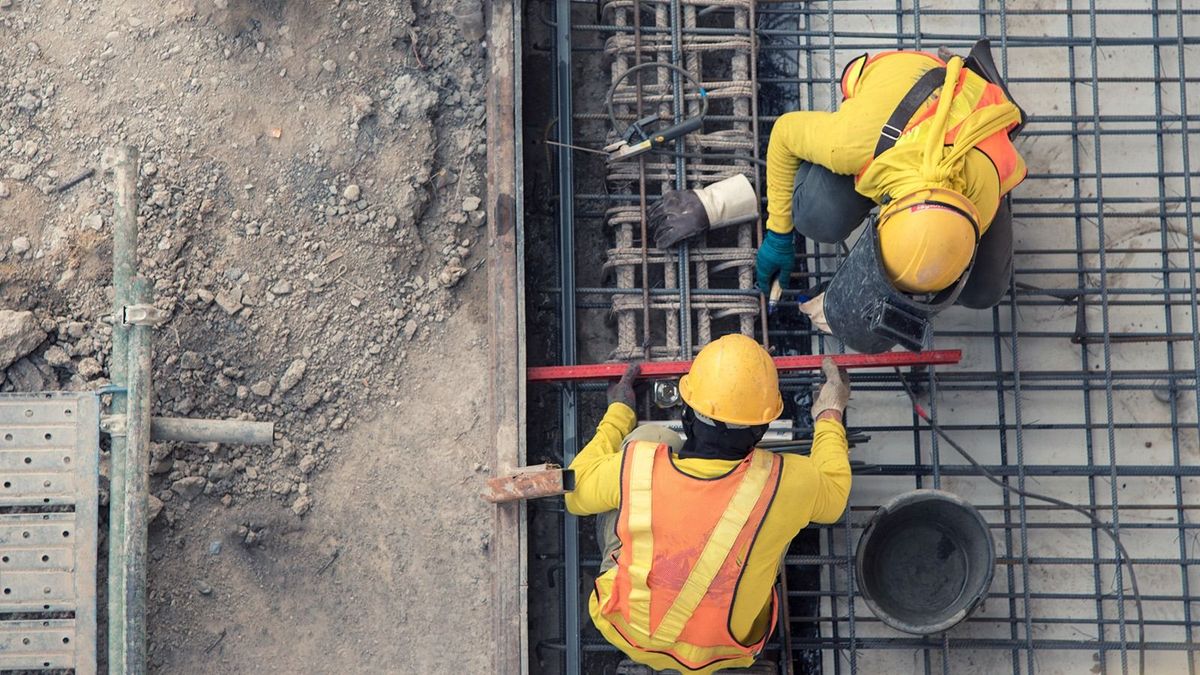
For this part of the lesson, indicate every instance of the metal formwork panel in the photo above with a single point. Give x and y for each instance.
(30, 645)
(48, 530)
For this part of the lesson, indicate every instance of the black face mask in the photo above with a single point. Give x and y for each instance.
(717, 440)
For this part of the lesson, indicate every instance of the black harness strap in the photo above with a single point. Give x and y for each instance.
(930, 82)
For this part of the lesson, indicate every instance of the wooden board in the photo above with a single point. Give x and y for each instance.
(506, 339)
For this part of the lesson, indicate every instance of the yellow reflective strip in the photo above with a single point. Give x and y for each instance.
(682, 651)
(641, 548)
(717, 548)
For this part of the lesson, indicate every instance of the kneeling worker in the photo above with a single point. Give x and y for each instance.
(693, 530)
(928, 140)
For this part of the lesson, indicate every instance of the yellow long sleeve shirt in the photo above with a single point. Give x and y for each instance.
(844, 142)
(811, 489)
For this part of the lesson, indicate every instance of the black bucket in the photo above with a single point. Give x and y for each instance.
(925, 561)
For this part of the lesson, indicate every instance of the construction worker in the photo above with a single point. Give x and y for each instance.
(930, 141)
(693, 530)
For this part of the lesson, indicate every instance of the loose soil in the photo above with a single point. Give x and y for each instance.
(311, 191)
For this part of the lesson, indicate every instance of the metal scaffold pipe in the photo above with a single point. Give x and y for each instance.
(135, 505)
(132, 428)
(125, 231)
(234, 432)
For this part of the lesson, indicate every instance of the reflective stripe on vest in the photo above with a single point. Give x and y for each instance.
(971, 94)
(642, 547)
(637, 590)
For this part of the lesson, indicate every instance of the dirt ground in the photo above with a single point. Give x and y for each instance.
(312, 183)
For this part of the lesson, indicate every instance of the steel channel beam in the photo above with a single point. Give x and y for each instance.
(566, 249)
(1189, 219)
(506, 336)
(677, 107)
(1118, 570)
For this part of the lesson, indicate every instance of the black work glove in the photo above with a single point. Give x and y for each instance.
(622, 391)
(677, 216)
(685, 213)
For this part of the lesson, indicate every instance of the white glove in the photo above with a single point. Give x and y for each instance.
(729, 201)
(835, 393)
(815, 311)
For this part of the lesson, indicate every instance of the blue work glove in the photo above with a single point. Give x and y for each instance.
(776, 256)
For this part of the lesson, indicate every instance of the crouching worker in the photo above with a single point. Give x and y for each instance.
(693, 530)
(930, 141)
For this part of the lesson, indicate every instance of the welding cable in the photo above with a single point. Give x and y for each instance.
(1101, 525)
(608, 98)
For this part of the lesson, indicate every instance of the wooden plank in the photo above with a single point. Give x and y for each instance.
(506, 343)
(530, 482)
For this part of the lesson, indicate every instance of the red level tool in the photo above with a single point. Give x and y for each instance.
(662, 369)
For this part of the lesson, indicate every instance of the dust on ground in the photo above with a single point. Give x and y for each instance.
(311, 207)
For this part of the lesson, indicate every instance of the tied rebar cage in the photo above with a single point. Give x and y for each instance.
(650, 37)
(1081, 385)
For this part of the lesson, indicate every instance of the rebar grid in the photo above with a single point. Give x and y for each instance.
(671, 32)
(1104, 280)
(1081, 384)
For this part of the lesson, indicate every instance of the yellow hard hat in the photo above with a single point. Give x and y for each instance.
(733, 380)
(927, 239)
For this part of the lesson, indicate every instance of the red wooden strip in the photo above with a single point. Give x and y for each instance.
(656, 369)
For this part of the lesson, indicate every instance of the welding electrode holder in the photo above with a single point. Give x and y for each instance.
(636, 138)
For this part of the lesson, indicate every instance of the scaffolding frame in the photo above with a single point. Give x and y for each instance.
(1081, 384)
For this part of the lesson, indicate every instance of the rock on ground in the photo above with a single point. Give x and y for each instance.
(20, 333)
(189, 487)
(292, 376)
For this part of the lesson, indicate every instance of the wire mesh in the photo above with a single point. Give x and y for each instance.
(1081, 384)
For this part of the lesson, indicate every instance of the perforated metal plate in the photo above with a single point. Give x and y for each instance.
(48, 506)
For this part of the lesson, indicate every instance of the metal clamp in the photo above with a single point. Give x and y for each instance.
(113, 425)
(143, 315)
(666, 394)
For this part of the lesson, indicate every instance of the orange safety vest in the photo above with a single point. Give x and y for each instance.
(971, 93)
(684, 543)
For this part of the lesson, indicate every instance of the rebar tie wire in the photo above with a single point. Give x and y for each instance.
(1099, 524)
